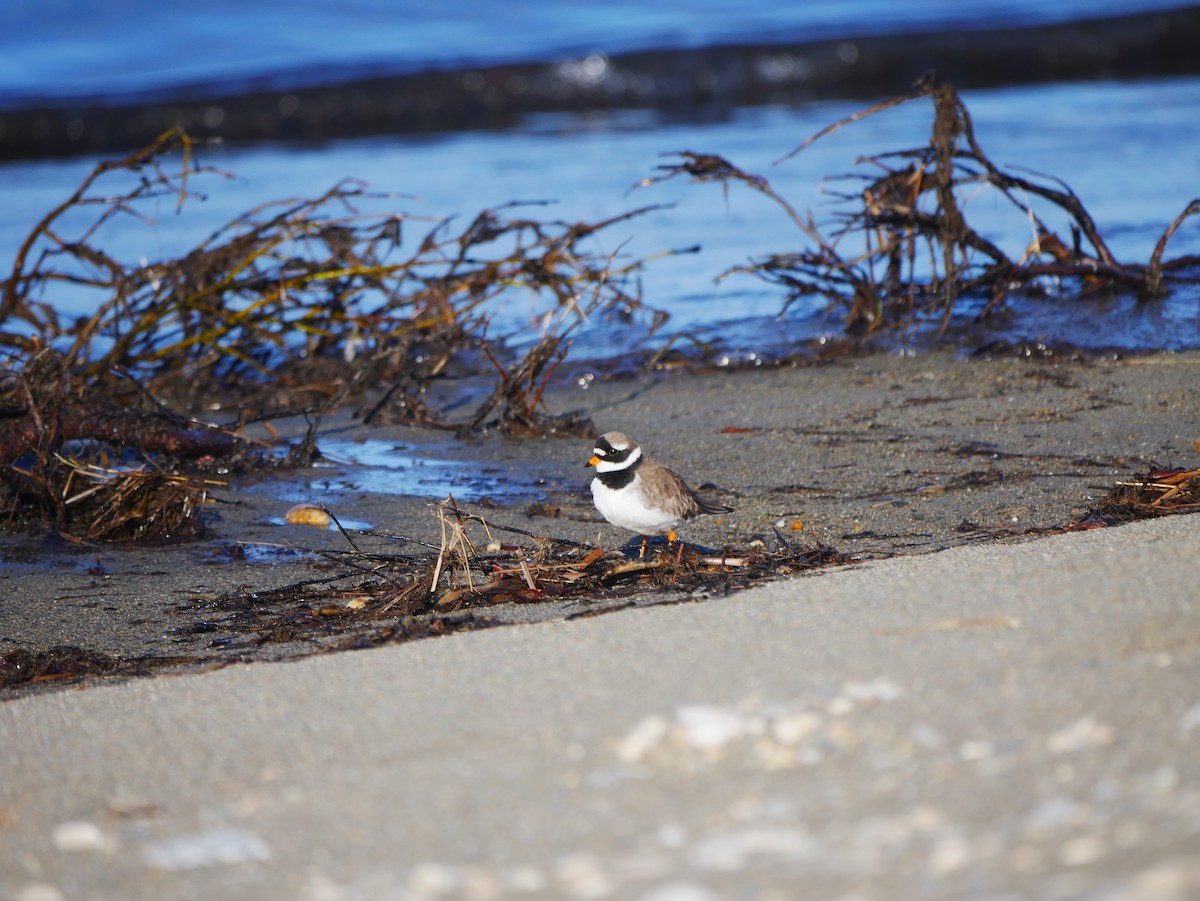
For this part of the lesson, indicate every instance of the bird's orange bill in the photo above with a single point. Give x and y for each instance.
(592, 462)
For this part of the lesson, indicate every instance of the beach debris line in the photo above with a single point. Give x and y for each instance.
(462, 570)
(478, 564)
(899, 249)
(365, 597)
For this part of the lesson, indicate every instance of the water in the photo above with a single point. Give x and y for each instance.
(382, 467)
(1125, 147)
(52, 48)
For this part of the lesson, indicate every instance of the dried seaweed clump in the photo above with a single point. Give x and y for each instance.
(94, 470)
(1159, 492)
(290, 308)
(900, 247)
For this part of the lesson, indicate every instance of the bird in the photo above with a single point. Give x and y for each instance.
(637, 493)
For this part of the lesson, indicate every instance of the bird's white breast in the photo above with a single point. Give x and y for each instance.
(626, 507)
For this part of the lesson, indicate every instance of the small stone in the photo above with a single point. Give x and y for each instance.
(927, 737)
(1086, 733)
(648, 734)
(672, 835)
(709, 728)
(793, 728)
(479, 884)
(432, 878)
(39, 891)
(1053, 815)
(1161, 781)
(80, 835)
(976, 750)
(1190, 719)
(1082, 850)
(880, 691)
(523, 879)
(206, 849)
(582, 876)
(729, 852)
(840, 706)
(680, 891)
(950, 854)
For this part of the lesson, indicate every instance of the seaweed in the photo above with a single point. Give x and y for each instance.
(296, 304)
(472, 568)
(1160, 491)
(900, 246)
(92, 469)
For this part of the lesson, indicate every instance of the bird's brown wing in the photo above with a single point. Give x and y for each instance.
(667, 491)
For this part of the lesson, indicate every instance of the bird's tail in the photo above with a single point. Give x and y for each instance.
(710, 507)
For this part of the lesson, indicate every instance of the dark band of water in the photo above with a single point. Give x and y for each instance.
(694, 83)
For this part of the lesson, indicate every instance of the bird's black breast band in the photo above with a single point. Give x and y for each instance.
(619, 478)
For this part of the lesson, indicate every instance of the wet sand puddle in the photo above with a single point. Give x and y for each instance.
(384, 467)
(377, 467)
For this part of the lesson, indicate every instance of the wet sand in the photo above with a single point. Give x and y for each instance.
(876, 456)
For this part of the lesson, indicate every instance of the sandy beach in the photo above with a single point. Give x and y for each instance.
(891, 285)
(971, 711)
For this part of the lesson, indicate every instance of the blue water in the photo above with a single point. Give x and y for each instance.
(87, 47)
(1126, 148)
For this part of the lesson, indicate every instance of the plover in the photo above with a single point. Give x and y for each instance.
(639, 494)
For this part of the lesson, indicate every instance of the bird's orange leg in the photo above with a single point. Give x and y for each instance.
(671, 539)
